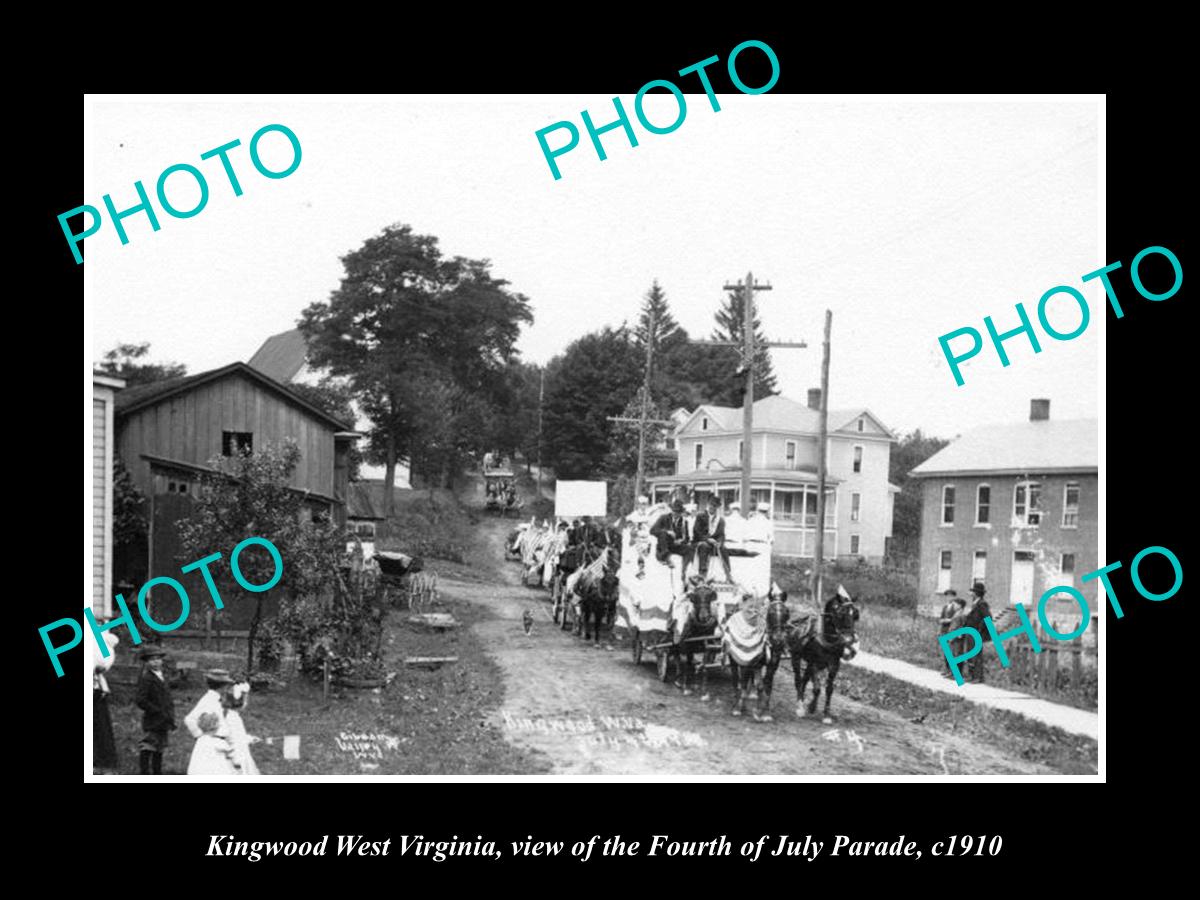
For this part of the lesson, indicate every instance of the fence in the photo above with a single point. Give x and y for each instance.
(1063, 670)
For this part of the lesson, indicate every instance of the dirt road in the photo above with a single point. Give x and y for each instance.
(593, 712)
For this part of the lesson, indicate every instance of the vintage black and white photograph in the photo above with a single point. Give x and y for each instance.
(467, 436)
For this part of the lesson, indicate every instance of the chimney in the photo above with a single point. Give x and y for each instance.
(1039, 410)
(814, 398)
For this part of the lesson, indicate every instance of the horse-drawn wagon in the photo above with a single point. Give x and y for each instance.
(674, 620)
(500, 492)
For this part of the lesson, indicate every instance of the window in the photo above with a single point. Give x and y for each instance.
(855, 507)
(741, 453)
(1070, 517)
(979, 568)
(943, 575)
(1067, 567)
(861, 424)
(789, 455)
(670, 443)
(174, 486)
(983, 504)
(363, 529)
(234, 443)
(1027, 504)
(699, 455)
(704, 423)
(854, 544)
(948, 504)
(858, 457)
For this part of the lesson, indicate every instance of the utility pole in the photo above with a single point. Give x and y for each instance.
(541, 397)
(819, 558)
(644, 419)
(748, 349)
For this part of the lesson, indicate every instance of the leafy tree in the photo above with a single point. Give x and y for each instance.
(404, 311)
(912, 450)
(730, 327)
(129, 507)
(623, 438)
(127, 361)
(249, 496)
(593, 379)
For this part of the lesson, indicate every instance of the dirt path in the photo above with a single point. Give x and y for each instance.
(593, 712)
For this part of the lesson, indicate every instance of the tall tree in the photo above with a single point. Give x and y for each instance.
(594, 378)
(655, 305)
(910, 451)
(730, 327)
(402, 312)
(128, 361)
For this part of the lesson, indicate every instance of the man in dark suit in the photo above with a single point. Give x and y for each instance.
(974, 619)
(709, 537)
(158, 710)
(670, 531)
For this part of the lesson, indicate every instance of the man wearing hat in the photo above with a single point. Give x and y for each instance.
(952, 614)
(154, 699)
(973, 618)
(709, 535)
(670, 531)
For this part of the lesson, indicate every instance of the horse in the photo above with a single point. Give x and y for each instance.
(819, 651)
(597, 596)
(749, 652)
(700, 621)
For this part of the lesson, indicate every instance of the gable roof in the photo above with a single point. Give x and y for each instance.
(779, 413)
(281, 356)
(132, 399)
(1067, 445)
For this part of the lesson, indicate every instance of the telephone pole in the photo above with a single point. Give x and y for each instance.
(541, 397)
(644, 419)
(819, 557)
(748, 349)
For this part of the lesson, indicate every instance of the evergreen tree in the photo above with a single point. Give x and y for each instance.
(665, 327)
(730, 319)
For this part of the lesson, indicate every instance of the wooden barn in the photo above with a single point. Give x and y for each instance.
(168, 431)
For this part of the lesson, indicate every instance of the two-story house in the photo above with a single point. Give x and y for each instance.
(784, 455)
(1013, 507)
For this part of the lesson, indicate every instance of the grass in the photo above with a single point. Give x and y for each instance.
(1007, 732)
(427, 722)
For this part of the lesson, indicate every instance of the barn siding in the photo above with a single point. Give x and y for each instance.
(188, 428)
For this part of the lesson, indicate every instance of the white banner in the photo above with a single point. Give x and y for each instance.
(580, 498)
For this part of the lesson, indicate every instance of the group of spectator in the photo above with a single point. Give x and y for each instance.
(958, 614)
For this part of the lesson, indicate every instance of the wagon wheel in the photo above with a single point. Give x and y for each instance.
(636, 648)
(662, 659)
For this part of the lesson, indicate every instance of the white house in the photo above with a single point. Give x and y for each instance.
(784, 450)
(104, 388)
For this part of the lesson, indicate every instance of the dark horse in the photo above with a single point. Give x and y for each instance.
(701, 623)
(597, 590)
(813, 650)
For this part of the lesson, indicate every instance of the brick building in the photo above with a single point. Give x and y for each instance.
(1015, 507)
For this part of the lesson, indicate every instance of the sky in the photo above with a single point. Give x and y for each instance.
(907, 219)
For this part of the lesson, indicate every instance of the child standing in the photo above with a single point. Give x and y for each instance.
(213, 752)
(158, 711)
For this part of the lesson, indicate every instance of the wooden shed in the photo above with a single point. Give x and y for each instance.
(168, 431)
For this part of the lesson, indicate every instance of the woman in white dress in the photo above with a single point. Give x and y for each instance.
(234, 702)
(213, 751)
